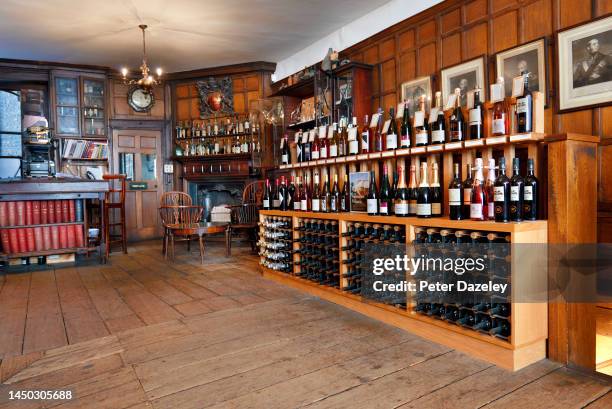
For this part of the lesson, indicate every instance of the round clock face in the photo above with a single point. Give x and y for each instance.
(140, 99)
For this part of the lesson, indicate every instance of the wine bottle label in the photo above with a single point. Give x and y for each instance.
(412, 206)
(490, 210)
(405, 141)
(419, 118)
(401, 208)
(391, 141)
(285, 158)
(522, 105)
(499, 126)
(316, 205)
(315, 155)
(467, 196)
(456, 135)
(343, 206)
(365, 141)
(333, 205)
(498, 194)
(475, 117)
(436, 208)
(333, 151)
(352, 134)
(437, 136)
(276, 203)
(528, 194)
(303, 205)
(323, 153)
(372, 206)
(423, 209)
(384, 207)
(297, 205)
(323, 205)
(266, 203)
(353, 147)
(421, 137)
(514, 193)
(298, 150)
(454, 197)
(476, 211)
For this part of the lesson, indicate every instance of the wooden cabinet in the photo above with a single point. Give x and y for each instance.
(352, 90)
(93, 107)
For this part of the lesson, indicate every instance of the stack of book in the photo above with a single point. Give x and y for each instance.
(82, 149)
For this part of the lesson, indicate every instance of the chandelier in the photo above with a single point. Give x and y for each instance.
(147, 81)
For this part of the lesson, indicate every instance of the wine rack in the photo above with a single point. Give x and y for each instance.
(510, 335)
(317, 251)
(486, 315)
(275, 239)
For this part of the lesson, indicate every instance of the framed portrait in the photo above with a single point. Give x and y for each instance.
(466, 76)
(584, 61)
(529, 57)
(359, 183)
(412, 91)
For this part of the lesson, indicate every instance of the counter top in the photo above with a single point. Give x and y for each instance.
(35, 188)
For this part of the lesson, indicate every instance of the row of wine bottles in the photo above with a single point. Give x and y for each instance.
(434, 235)
(424, 128)
(319, 259)
(306, 196)
(275, 243)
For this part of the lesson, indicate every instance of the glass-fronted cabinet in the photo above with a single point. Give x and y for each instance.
(352, 90)
(67, 106)
(94, 120)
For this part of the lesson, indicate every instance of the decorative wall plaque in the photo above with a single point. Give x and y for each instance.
(216, 96)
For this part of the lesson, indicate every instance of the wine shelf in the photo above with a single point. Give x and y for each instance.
(527, 341)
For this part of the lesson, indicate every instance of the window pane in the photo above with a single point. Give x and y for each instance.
(126, 165)
(148, 164)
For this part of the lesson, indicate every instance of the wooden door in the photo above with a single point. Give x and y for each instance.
(137, 154)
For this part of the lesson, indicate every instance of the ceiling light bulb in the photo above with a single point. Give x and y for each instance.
(150, 79)
(124, 71)
(158, 71)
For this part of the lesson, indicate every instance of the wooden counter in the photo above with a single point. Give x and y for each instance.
(51, 188)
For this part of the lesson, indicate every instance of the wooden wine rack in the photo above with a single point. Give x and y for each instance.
(529, 331)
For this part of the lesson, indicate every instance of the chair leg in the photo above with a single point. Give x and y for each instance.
(165, 245)
(228, 242)
(106, 230)
(123, 230)
(201, 250)
(172, 246)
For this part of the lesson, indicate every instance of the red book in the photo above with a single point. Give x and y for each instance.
(14, 240)
(36, 212)
(71, 211)
(20, 206)
(12, 213)
(47, 244)
(28, 212)
(44, 215)
(30, 239)
(71, 235)
(38, 238)
(55, 238)
(23, 240)
(4, 239)
(65, 211)
(50, 211)
(4, 214)
(63, 237)
(78, 232)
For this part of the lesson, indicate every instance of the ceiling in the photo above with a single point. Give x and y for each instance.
(182, 34)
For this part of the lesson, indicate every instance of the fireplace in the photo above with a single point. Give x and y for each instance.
(216, 193)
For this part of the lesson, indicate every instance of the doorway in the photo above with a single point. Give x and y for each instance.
(137, 154)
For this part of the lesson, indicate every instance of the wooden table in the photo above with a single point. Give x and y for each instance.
(199, 229)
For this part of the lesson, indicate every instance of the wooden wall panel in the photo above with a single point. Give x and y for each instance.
(498, 5)
(427, 32)
(603, 7)
(537, 20)
(387, 49)
(388, 76)
(572, 12)
(121, 110)
(406, 40)
(426, 61)
(508, 37)
(450, 21)
(407, 66)
(475, 41)
(451, 50)
(475, 10)
(578, 122)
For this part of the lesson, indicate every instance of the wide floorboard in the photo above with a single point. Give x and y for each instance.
(144, 332)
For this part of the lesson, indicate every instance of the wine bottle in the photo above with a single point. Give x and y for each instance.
(384, 202)
(266, 195)
(326, 196)
(501, 327)
(316, 194)
(402, 195)
(305, 202)
(365, 136)
(405, 128)
(334, 142)
(315, 148)
(297, 198)
(282, 195)
(476, 117)
(436, 192)
(467, 192)
(501, 194)
(353, 138)
(524, 107)
(438, 124)
(324, 138)
(517, 193)
(424, 195)
(455, 195)
(530, 198)
(372, 198)
(456, 121)
(306, 146)
(421, 137)
(490, 191)
(391, 139)
(345, 200)
(335, 196)
(276, 201)
(343, 138)
(379, 143)
(477, 199)
(298, 146)
(414, 192)
(285, 151)
(500, 123)
(291, 192)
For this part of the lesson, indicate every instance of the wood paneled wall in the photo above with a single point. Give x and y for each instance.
(459, 30)
(121, 109)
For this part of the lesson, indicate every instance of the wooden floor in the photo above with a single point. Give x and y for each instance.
(141, 332)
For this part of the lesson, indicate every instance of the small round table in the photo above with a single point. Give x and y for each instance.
(198, 229)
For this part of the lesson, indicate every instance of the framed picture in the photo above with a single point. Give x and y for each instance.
(359, 183)
(584, 61)
(412, 91)
(529, 57)
(466, 76)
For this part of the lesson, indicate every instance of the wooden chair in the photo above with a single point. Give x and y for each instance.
(246, 215)
(114, 200)
(173, 198)
(180, 215)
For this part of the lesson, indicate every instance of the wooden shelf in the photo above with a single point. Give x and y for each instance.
(80, 250)
(205, 158)
(41, 225)
(305, 124)
(302, 89)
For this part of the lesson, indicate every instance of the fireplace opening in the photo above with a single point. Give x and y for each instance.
(215, 196)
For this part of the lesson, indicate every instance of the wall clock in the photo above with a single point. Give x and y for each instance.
(141, 99)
